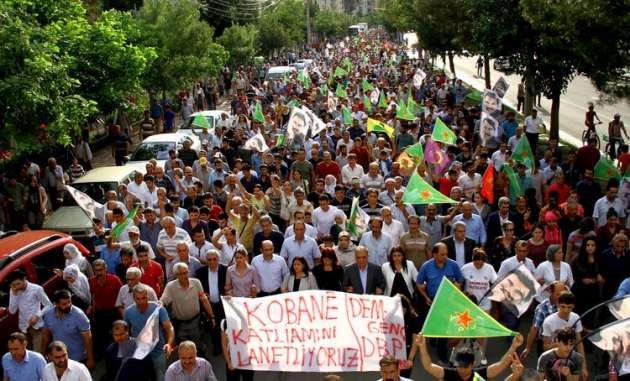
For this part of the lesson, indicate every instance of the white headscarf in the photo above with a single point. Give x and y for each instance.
(75, 254)
(330, 183)
(80, 287)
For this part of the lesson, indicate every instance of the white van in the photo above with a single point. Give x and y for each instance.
(278, 72)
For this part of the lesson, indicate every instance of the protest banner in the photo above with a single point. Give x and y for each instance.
(314, 331)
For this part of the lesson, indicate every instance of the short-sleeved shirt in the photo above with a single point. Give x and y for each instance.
(432, 274)
(105, 296)
(553, 323)
(31, 368)
(550, 364)
(68, 329)
(478, 281)
(184, 302)
(151, 275)
(137, 320)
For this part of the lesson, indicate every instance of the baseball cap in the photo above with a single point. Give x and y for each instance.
(133, 230)
(203, 161)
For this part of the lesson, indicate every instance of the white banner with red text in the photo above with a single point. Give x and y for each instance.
(314, 331)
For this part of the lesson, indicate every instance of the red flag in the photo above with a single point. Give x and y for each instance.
(487, 184)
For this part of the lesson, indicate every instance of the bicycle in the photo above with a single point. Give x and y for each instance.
(608, 149)
(591, 133)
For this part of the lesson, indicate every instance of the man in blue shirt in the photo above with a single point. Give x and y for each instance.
(433, 270)
(624, 289)
(429, 279)
(20, 363)
(137, 315)
(70, 325)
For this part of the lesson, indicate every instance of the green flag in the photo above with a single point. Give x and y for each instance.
(293, 103)
(366, 85)
(523, 153)
(201, 121)
(347, 117)
(515, 185)
(323, 89)
(330, 78)
(452, 314)
(403, 113)
(280, 141)
(416, 152)
(474, 96)
(119, 228)
(605, 169)
(339, 72)
(627, 173)
(420, 192)
(258, 113)
(340, 92)
(358, 221)
(412, 106)
(442, 133)
(367, 104)
(381, 100)
(347, 64)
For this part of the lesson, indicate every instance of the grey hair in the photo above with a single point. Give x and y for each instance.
(133, 271)
(140, 289)
(179, 265)
(99, 262)
(167, 220)
(504, 200)
(187, 344)
(459, 224)
(181, 243)
(265, 218)
(213, 252)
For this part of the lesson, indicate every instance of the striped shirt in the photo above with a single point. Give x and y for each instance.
(169, 244)
(201, 372)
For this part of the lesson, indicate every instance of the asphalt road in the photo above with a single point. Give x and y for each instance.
(573, 103)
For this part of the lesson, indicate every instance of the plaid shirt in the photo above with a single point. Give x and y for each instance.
(543, 310)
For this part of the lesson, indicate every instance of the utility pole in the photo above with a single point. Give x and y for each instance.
(307, 5)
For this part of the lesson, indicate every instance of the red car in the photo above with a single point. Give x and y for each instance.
(37, 253)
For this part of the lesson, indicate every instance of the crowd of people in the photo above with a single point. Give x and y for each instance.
(230, 221)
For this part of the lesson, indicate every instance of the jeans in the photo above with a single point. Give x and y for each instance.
(159, 365)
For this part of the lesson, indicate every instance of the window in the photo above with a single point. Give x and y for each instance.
(45, 263)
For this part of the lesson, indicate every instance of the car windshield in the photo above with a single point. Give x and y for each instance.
(97, 190)
(188, 122)
(152, 150)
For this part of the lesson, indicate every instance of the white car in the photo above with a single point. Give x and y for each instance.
(278, 72)
(212, 116)
(157, 147)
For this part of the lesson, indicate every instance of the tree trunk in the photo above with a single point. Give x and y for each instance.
(554, 126)
(486, 71)
(307, 5)
(530, 91)
(451, 64)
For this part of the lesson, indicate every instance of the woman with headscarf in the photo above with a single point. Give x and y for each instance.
(74, 256)
(553, 234)
(338, 226)
(330, 182)
(78, 285)
(552, 270)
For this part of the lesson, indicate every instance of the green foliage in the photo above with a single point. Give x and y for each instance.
(333, 24)
(36, 85)
(240, 42)
(282, 26)
(184, 46)
(442, 25)
(399, 15)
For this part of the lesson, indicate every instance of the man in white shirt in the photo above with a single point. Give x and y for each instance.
(310, 229)
(470, 181)
(508, 265)
(124, 298)
(61, 368)
(513, 141)
(139, 189)
(350, 170)
(498, 157)
(610, 200)
(563, 318)
(29, 300)
(271, 268)
(532, 129)
(324, 216)
(391, 226)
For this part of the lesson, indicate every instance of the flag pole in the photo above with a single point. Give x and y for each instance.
(598, 306)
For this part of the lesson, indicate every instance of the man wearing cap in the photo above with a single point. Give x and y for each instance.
(202, 171)
(463, 362)
(133, 243)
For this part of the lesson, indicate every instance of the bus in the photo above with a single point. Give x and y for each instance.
(357, 28)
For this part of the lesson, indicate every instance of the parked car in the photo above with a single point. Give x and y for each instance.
(212, 116)
(503, 65)
(157, 147)
(70, 218)
(278, 72)
(37, 253)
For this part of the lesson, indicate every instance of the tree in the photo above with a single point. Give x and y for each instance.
(184, 46)
(282, 26)
(240, 42)
(443, 27)
(39, 100)
(221, 14)
(399, 15)
(332, 24)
